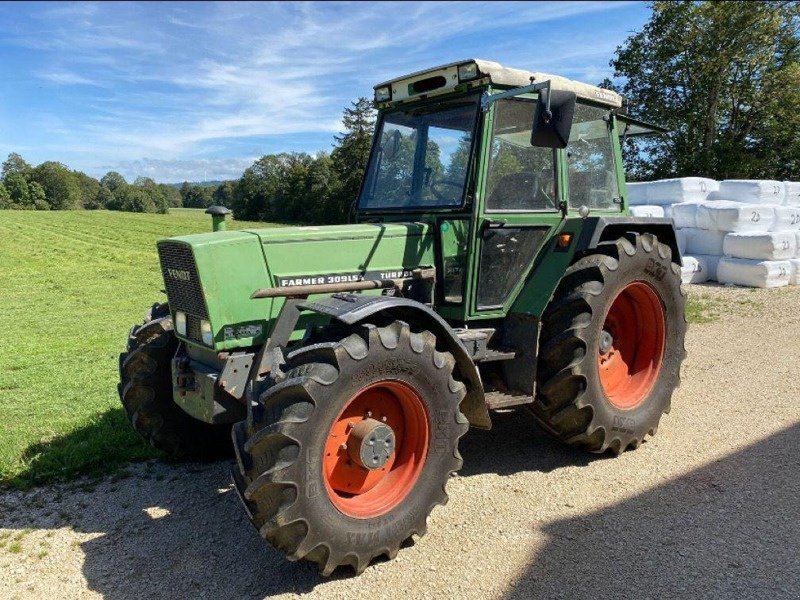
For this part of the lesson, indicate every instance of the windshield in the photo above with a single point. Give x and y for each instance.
(421, 157)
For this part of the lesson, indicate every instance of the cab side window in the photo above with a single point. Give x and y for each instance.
(590, 158)
(521, 176)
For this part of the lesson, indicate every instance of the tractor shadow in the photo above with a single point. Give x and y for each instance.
(729, 529)
(514, 444)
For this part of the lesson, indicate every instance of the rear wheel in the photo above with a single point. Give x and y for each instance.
(145, 388)
(611, 346)
(344, 457)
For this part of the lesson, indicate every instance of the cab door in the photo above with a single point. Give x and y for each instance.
(520, 205)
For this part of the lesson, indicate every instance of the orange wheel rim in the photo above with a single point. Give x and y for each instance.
(632, 345)
(394, 417)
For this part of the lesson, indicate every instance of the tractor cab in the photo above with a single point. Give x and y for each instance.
(495, 160)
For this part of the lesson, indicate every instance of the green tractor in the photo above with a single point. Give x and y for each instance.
(492, 264)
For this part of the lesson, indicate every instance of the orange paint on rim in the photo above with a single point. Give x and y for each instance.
(366, 493)
(637, 323)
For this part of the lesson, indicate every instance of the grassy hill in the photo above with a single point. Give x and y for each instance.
(71, 286)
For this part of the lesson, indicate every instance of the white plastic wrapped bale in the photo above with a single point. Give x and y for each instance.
(775, 245)
(712, 262)
(637, 192)
(682, 236)
(684, 214)
(754, 273)
(787, 218)
(726, 215)
(647, 210)
(797, 238)
(751, 191)
(700, 241)
(792, 197)
(795, 278)
(694, 269)
(683, 189)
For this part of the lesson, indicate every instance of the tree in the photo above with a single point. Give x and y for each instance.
(37, 196)
(156, 194)
(223, 194)
(171, 194)
(18, 190)
(351, 154)
(89, 189)
(195, 196)
(724, 78)
(134, 199)
(113, 180)
(15, 164)
(5, 198)
(60, 186)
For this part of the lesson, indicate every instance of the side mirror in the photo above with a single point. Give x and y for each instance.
(551, 127)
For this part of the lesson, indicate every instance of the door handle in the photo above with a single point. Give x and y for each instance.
(492, 224)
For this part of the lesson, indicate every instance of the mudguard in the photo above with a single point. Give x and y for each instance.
(354, 308)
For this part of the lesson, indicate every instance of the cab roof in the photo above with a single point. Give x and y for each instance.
(499, 75)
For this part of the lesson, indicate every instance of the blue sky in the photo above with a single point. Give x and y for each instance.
(199, 90)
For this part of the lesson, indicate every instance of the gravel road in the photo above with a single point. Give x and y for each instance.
(709, 508)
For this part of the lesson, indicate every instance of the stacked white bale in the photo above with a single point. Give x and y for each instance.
(684, 214)
(787, 218)
(637, 192)
(701, 241)
(694, 269)
(795, 276)
(682, 189)
(792, 197)
(712, 264)
(754, 273)
(682, 235)
(726, 215)
(751, 191)
(647, 210)
(772, 245)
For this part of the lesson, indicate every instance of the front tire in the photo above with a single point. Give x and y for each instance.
(145, 389)
(302, 473)
(612, 344)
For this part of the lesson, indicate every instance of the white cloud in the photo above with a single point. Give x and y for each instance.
(176, 171)
(169, 80)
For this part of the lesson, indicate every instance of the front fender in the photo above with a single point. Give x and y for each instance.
(356, 308)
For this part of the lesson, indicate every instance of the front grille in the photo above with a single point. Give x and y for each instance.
(193, 331)
(181, 280)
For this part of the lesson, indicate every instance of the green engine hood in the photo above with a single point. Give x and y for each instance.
(230, 265)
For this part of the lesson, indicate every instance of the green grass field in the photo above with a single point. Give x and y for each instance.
(71, 285)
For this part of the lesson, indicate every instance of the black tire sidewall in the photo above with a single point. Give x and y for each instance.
(441, 404)
(655, 271)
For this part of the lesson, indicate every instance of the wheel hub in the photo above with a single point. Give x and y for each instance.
(371, 443)
(606, 342)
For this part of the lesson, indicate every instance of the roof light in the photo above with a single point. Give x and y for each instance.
(468, 71)
(383, 94)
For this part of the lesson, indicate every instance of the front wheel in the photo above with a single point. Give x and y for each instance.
(344, 457)
(612, 344)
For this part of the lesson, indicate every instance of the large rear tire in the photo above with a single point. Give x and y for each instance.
(612, 344)
(302, 472)
(145, 389)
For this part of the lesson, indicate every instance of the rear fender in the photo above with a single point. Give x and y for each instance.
(356, 308)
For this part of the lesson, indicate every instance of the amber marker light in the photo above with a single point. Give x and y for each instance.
(564, 240)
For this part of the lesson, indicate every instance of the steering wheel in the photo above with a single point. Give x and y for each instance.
(439, 194)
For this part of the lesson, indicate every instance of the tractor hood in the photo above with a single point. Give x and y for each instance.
(210, 276)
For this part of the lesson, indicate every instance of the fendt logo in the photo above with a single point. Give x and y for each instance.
(179, 275)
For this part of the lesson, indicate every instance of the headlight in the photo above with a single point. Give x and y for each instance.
(205, 331)
(467, 71)
(383, 94)
(180, 323)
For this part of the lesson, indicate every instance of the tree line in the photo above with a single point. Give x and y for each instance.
(287, 187)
